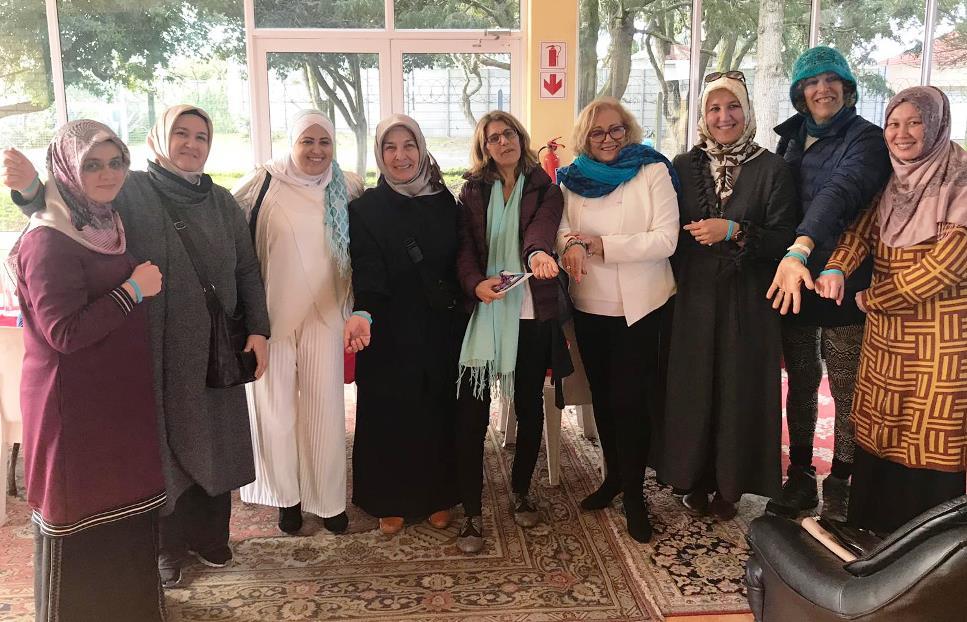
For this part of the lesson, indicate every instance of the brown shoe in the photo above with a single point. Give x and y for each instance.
(391, 524)
(441, 519)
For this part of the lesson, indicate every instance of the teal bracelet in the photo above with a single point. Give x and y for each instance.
(137, 290)
(365, 315)
(832, 271)
(798, 256)
(728, 235)
(32, 188)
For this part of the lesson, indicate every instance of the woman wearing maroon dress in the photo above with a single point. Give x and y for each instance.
(92, 465)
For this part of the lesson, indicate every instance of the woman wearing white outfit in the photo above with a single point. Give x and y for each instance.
(301, 232)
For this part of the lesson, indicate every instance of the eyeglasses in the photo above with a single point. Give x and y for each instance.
(616, 132)
(715, 75)
(96, 166)
(510, 135)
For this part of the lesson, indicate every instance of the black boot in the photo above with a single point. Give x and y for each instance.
(337, 523)
(601, 498)
(798, 493)
(290, 519)
(639, 526)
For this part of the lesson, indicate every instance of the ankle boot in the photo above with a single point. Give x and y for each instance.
(601, 498)
(639, 525)
(835, 498)
(798, 493)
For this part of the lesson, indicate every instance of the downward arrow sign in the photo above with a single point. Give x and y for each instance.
(553, 85)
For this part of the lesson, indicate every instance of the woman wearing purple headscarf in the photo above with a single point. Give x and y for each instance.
(910, 407)
(91, 459)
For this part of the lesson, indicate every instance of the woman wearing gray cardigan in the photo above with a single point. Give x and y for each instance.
(206, 446)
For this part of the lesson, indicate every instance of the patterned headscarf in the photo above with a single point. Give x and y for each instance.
(160, 134)
(331, 183)
(727, 159)
(93, 225)
(427, 179)
(931, 189)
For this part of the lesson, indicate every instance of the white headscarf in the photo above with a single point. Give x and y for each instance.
(161, 133)
(286, 169)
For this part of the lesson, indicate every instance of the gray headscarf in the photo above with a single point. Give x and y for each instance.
(428, 179)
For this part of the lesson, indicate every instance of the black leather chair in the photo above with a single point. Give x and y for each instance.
(916, 574)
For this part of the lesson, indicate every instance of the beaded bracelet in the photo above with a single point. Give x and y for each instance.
(799, 256)
(805, 250)
(137, 290)
(365, 315)
(576, 242)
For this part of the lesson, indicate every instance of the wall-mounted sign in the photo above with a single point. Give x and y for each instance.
(553, 84)
(553, 55)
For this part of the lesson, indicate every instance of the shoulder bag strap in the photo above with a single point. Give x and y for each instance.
(181, 227)
(258, 204)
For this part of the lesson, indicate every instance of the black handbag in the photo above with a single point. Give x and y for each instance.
(228, 364)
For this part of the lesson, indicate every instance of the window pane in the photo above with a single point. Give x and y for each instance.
(457, 14)
(446, 94)
(949, 68)
(640, 55)
(123, 65)
(320, 14)
(761, 39)
(344, 86)
(27, 113)
(882, 40)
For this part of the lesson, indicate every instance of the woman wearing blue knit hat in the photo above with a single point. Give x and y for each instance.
(840, 163)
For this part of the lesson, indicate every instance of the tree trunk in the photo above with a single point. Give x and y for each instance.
(768, 72)
(360, 126)
(588, 52)
(622, 30)
(317, 100)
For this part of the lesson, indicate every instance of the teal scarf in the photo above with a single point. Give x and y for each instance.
(489, 348)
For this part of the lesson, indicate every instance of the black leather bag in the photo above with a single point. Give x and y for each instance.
(228, 364)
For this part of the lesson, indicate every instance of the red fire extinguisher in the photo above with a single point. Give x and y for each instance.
(552, 52)
(550, 161)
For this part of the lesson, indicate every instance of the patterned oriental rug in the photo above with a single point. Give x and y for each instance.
(573, 566)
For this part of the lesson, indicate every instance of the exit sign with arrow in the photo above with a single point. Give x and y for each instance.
(553, 84)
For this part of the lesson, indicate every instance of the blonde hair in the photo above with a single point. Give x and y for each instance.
(482, 166)
(585, 121)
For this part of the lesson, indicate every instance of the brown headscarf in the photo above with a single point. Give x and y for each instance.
(161, 132)
(932, 188)
(428, 179)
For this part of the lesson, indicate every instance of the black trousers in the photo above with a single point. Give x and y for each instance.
(622, 365)
(473, 415)
(198, 523)
(106, 573)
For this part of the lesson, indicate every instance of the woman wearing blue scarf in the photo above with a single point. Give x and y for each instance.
(840, 162)
(508, 215)
(619, 228)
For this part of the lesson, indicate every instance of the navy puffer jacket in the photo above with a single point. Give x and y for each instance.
(837, 177)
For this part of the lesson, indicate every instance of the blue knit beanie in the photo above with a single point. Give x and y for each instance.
(813, 62)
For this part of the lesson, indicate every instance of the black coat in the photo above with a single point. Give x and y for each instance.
(837, 177)
(406, 378)
(723, 411)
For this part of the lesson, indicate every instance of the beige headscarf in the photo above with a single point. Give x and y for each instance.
(932, 189)
(161, 132)
(727, 160)
(428, 179)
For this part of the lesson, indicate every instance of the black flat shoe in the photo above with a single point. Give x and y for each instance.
(639, 525)
(697, 503)
(290, 519)
(336, 524)
(601, 498)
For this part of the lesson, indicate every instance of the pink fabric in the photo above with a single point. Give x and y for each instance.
(932, 189)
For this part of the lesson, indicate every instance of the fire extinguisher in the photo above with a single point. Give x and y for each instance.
(552, 53)
(550, 161)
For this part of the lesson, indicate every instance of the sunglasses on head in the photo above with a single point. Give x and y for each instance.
(715, 75)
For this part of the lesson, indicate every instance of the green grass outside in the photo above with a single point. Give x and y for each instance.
(12, 220)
